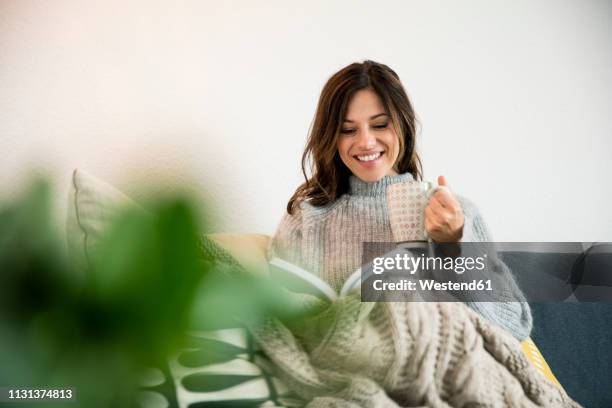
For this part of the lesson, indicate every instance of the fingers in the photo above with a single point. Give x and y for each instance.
(442, 181)
(438, 214)
(443, 215)
(445, 199)
(441, 225)
(432, 221)
(444, 184)
(436, 206)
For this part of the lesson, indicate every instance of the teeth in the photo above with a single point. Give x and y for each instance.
(370, 157)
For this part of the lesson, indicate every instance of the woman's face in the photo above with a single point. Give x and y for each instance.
(367, 143)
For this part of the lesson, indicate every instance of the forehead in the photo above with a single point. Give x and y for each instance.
(363, 105)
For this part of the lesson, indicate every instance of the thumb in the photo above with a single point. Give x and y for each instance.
(442, 181)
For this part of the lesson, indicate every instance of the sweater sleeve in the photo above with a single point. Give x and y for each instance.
(511, 311)
(287, 240)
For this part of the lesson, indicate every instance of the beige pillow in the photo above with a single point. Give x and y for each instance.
(92, 206)
(248, 249)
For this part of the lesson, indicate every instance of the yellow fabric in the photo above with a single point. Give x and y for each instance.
(533, 354)
(250, 249)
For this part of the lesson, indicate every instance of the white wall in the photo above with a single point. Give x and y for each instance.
(514, 98)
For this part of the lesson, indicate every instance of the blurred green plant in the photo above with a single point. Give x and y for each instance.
(95, 330)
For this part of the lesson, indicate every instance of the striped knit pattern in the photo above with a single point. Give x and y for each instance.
(328, 241)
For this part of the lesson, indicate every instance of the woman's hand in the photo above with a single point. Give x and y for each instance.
(443, 215)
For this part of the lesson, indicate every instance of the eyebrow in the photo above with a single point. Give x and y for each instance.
(371, 117)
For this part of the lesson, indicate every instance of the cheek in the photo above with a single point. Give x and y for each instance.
(393, 145)
(343, 148)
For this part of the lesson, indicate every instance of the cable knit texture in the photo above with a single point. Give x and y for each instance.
(327, 241)
(417, 354)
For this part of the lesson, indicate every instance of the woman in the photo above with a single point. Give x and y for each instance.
(363, 139)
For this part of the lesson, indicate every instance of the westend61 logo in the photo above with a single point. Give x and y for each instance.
(410, 263)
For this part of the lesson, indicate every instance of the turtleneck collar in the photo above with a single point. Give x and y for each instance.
(376, 188)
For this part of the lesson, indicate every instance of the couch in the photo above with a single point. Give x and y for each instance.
(240, 375)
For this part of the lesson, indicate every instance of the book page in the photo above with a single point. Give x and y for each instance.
(299, 280)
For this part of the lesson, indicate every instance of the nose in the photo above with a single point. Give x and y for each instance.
(366, 140)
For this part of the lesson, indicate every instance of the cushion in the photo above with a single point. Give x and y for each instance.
(91, 208)
(225, 367)
(248, 249)
(537, 359)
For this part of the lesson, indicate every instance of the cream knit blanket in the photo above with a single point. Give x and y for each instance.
(413, 354)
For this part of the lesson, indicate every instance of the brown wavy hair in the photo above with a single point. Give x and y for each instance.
(329, 176)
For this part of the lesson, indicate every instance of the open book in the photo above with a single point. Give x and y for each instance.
(299, 280)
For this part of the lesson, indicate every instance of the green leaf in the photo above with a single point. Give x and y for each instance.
(214, 382)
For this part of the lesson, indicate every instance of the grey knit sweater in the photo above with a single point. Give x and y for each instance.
(327, 241)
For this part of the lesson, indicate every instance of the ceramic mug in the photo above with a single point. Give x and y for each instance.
(406, 203)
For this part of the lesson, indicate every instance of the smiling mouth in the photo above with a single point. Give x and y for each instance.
(369, 157)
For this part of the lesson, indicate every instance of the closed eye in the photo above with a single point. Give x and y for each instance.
(384, 125)
(348, 131)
